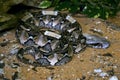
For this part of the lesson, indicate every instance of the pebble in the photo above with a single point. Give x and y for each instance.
(97, 70)
(5, 34)
(98, 22)
(4, 43)
(1, 55)
(2, 64)
(1, 71)
(103, 74)
(100, 72)
(15, 65)
(14, 51)
(50, 78)
(113, 78)
(30, 67)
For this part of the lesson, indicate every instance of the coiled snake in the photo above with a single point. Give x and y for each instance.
(50, 37)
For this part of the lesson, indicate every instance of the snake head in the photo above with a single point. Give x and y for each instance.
(95, 41)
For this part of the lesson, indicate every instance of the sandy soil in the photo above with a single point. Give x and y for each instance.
(91, 64)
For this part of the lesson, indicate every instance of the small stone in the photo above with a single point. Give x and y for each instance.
(14, 51)
(28, 69)
(1, 55)
(1, 71)
(15, 76)
(110, 72)
(78, 79)
(98, 22)
(108, 54)
(103, 74)
(2, 64)
(50, 78)
(15, 65)
(4, 43)
(113, 78)
(97, 70)
(5, 34)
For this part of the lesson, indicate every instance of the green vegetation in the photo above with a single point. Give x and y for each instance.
(92, 8)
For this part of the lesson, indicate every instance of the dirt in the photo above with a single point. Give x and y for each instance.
(84, 66)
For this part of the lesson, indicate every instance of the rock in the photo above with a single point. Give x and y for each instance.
(7, 21)
(2, 64)
(5, 5)
(113, 78)
(1, 71)
(103, 74)
(33, 3)
(14, 51)
(100, 73)
(15, 65)
(97, 70)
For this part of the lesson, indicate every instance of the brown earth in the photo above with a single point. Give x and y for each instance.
(82, 66)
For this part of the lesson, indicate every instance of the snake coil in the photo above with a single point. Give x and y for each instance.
(50, 37)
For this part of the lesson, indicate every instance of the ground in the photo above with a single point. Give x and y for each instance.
(90, 64)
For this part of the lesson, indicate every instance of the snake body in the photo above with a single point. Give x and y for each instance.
(50, 37)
